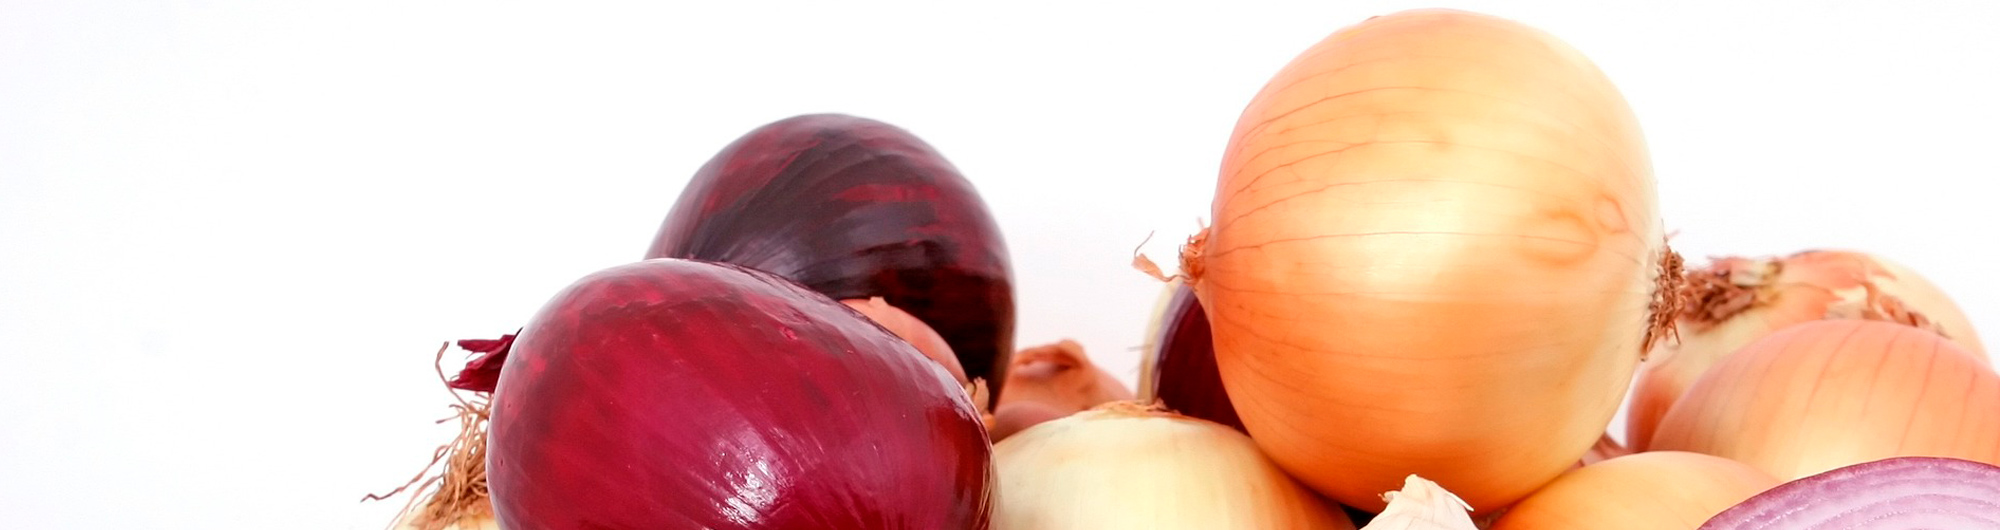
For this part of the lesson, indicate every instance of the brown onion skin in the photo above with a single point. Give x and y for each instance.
(856, 208)
(1659, 490)
(1830, 393)
(1053, 381)
(683, 394)
(1188, 381)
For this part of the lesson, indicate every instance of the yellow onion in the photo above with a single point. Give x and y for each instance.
(1736, 300)
(1435, 251)
(1125, 465)
(1661, 490)
(1830, 393)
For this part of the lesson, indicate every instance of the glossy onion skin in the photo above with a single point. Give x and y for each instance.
(1434, 245)
(683, 394)
(1889, 494)
(1660, 490)
(1830, 393)
(1188, 382)
(856, 208)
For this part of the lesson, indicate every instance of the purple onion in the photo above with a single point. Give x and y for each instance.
(683, 394)
(856, 208)
(1895, 493)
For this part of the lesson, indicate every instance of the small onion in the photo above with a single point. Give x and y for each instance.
(1124, 465)
(1181, 361)
(1737, 300)
(1831, 393)
(1889, 494)
(918, 334)
(1052, 381)
(1661, 490)
(1436, 250)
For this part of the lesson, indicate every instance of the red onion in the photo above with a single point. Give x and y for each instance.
(683, 394)
(856, 208)
(1894, 493)
(1184, 369)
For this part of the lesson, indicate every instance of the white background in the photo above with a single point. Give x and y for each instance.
(232, 234)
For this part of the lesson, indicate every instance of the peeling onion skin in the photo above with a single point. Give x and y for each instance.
(856, 208)
(1888, 494)
(682, 394)
(1122, 465)
(1660, 490)
(1435, 240)
(1806, 286)
(1830, 393)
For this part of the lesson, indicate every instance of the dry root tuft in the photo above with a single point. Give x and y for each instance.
(459, 492)
(1669, 287)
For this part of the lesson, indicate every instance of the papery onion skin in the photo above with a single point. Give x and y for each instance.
(1052, 381)
(912, 330)
(1889, 494)
(1831, 393)
(1737, 300)
(856, 208)
(683, 394)
(1122, 465)
(1435, 244)
(1660, 490)
(1186, 375)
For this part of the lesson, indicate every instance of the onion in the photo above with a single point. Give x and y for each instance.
(1889, 494)
(1181, 366)
(856, 208)
(1738, 300)
(1049, 382)
(1831, 393)
(1125, 465)
(912, 330)
(683, 394)
(1436, 250)
(1661, 490)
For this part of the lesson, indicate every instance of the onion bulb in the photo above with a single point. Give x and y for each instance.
(911, 330)
(685, 394)
(1660, 490)
(1737, 300)
(1125, 465)
(1831, 393)
(1049, 382)
(1889, 494)
(1436, 250)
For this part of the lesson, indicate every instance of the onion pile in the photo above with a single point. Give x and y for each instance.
(1436, 250)
(1435, 266)
(1736, 300)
